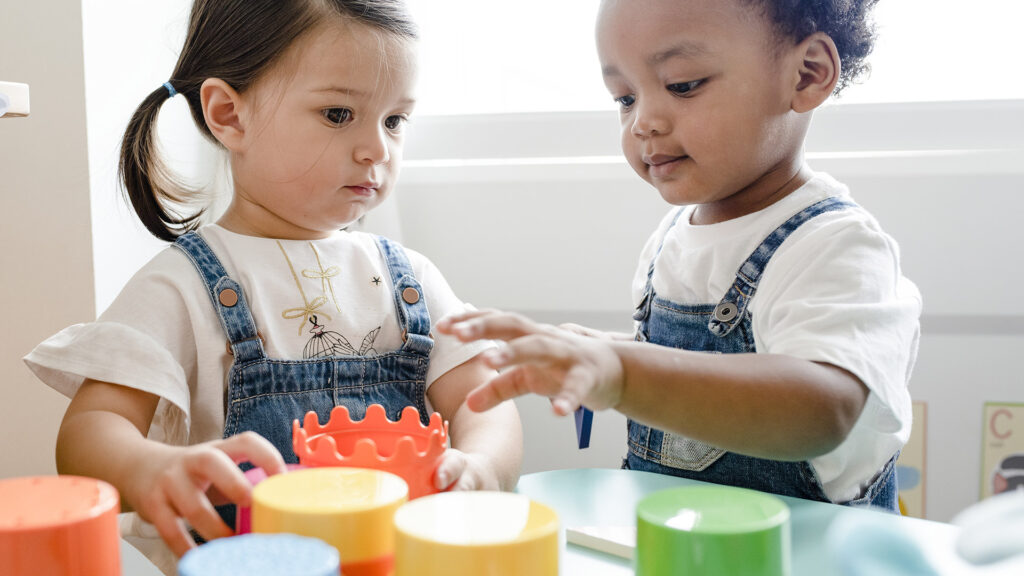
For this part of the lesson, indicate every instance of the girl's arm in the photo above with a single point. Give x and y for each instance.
(764, 405)
(103, 436)
(487, 448)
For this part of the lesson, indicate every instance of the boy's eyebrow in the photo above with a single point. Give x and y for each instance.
(681, 50)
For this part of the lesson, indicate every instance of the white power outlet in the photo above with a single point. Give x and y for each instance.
(13, 99)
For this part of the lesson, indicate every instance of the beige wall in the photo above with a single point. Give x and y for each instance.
(45, 241)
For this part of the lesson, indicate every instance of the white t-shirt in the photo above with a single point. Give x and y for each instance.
(162, 335)
(833, 292)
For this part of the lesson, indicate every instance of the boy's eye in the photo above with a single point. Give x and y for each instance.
(337, 116)
(626, 101)
(395, 122)
(684, 87)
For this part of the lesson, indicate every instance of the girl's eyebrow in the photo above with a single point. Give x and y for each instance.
(358, 93)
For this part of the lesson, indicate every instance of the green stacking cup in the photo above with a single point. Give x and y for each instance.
(714, 531)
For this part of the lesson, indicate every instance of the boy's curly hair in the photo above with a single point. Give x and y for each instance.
(847, 22)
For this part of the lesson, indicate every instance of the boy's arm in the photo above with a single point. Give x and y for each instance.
(103, 436)
(491, 443)
(765, 405)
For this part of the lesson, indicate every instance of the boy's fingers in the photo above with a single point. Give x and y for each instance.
(510, 384)
(445, 324)
(193, 506)
(495, 326)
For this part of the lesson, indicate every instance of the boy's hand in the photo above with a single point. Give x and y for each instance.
(569, 368)
(461, 471)
(175, 484)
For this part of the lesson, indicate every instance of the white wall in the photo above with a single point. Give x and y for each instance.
(45, 249)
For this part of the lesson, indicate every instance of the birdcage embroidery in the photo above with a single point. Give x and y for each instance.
(326, 343)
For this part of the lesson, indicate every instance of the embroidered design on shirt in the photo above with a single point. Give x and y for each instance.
(324, 276)
(376, 280)
(326, 343)
(309, 307)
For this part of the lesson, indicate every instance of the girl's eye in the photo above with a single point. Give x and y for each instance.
(395, 122)
(337, 116)
(683, 88)
(626, 101)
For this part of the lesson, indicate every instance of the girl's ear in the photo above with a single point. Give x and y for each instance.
(817, 73)
(222, 109)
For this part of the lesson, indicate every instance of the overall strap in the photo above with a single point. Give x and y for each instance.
(643, 309)
(227, 297)
(409, 301)
(731, 308)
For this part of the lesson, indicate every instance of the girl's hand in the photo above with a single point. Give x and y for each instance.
(178, 483)
(569, 368)
(461, 471)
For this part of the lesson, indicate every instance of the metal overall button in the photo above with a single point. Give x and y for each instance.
(725, 311)
(228, 297)
(411, 295)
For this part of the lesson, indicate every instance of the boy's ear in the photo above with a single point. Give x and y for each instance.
(817, 73)
(222, 109)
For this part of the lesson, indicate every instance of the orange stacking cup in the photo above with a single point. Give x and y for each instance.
(405, 448)
(60, 526)
(351, 509)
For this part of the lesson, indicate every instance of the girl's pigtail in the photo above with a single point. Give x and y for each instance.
(155, 194)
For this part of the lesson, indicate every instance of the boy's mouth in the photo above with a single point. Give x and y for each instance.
(661, 165)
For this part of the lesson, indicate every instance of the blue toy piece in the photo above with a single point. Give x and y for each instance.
(584, 419)
(261, 555)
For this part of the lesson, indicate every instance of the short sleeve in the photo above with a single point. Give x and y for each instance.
(837, 295)
(448, 352)
(143, 341)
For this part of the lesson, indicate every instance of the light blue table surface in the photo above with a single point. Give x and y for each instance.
(608, 497)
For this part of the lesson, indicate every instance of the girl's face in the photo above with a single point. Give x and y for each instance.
(703, 89)
(324, 133)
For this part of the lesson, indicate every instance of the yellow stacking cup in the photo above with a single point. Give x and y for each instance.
(474, 533)
(351, 509)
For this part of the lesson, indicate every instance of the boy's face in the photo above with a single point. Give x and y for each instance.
(704, 93)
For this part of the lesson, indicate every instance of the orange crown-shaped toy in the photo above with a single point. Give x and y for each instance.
(406, 448)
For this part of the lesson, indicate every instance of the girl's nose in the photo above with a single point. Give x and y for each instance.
(372, 147)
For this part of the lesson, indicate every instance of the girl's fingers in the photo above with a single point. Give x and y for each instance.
(451, 468)
(255, 449)
(216, 468)
(171, 528)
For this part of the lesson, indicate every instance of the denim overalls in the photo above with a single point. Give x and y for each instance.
(265, 394)
(726, 328)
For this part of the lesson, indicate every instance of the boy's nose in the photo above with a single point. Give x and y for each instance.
(648, 120)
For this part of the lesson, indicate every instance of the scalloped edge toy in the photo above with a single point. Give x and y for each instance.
(406, 448)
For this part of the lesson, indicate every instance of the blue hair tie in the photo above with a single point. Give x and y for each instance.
(170, 90)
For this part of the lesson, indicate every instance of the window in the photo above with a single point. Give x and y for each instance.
(537, 55)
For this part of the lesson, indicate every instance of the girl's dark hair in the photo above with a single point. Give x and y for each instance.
(236, 41)
(847, 22)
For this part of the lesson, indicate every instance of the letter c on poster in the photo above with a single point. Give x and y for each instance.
(993, 424)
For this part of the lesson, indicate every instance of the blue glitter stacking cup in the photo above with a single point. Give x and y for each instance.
(261, 555)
